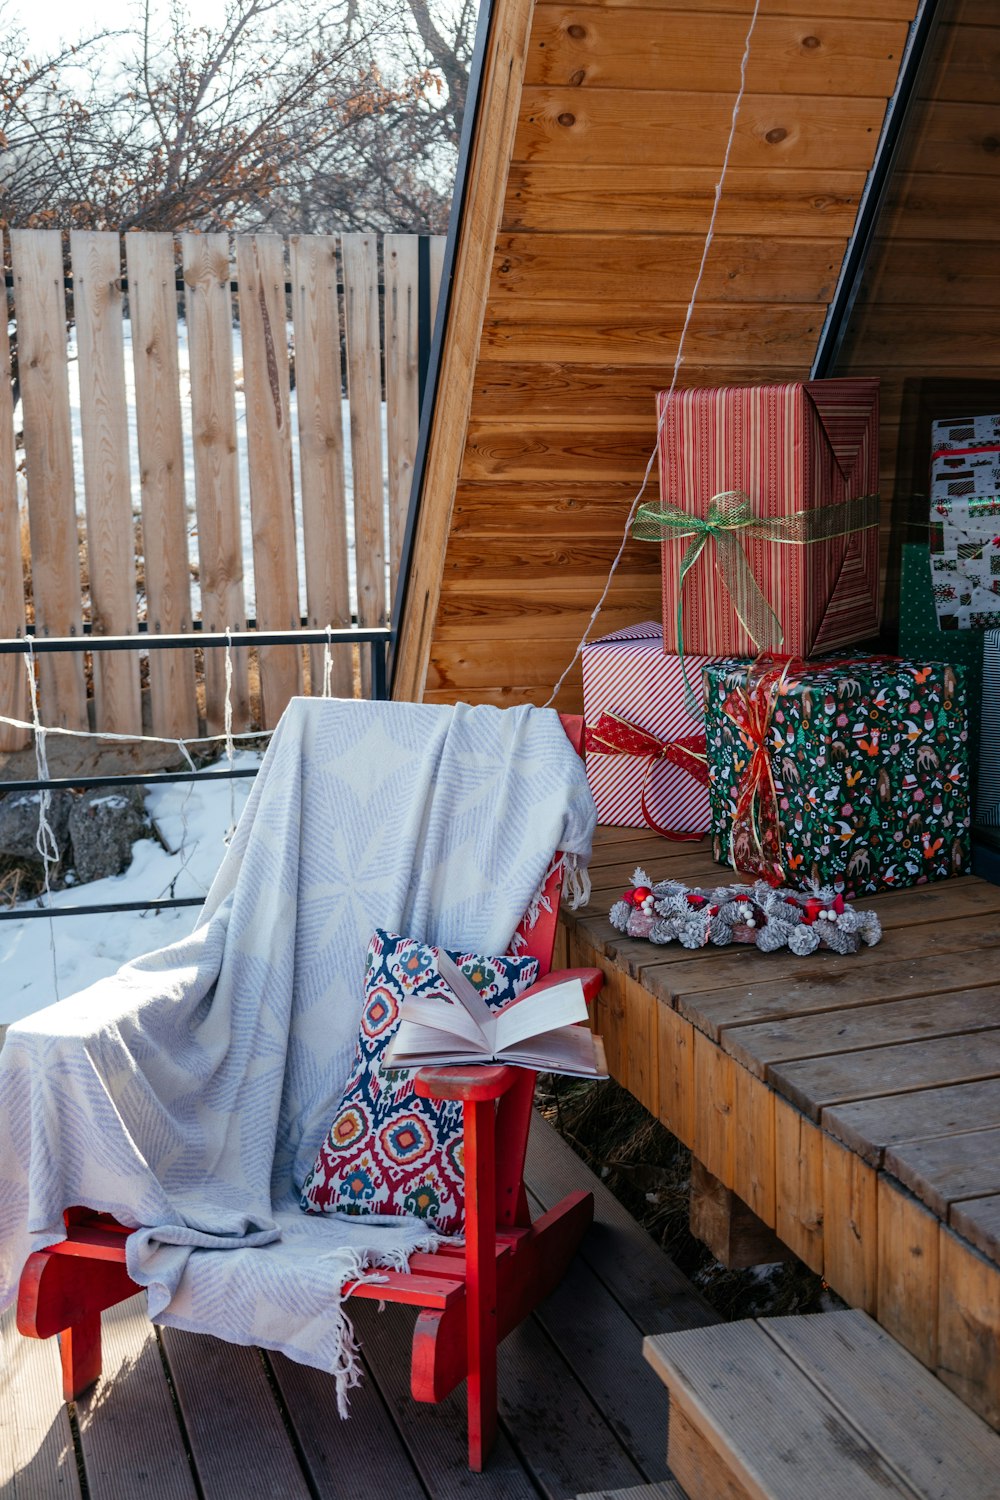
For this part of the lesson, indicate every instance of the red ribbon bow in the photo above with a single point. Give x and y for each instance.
(755, 833)
(613, 735)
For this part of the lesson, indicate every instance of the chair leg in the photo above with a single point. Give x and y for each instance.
(80, 1355)
(481, 1277)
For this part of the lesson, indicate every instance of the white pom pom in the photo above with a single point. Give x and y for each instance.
(751, 921)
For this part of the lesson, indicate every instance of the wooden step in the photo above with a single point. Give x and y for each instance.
(825, 1405)
(667, 1489)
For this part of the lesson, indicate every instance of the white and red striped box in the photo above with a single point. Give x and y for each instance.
(628, 674)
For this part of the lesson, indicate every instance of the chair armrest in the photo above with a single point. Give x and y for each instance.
(471, 1085)
(591, 979)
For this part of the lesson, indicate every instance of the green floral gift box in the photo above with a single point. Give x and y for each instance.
(852, 774)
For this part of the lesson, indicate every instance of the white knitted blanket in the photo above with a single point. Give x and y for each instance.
(187, 1094)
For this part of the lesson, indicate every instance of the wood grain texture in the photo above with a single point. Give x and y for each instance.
(37, 1460)
(978, 1221)
(592, 46)
(402, 394)
(208, 311)
(318, 385)
(850, 1226)
(948, 1168)
(13, 682)
(969, 1327)
(40, 309)
(364, 390)
(260, 269)
(97, 307)
(798, 1184)
(149, 260)
(908, 1271)
(500, 93)
(870, 1127)
(131, 1441)
(929, 1439)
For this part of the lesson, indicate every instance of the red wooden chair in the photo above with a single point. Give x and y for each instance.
(469, 1297)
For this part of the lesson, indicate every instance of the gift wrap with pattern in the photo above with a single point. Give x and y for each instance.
(800, 449)
(965, 523)
(988, 803)
(627, 674)
(868, 760)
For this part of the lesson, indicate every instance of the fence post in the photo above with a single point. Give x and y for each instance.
(364, 389)
(13, 683)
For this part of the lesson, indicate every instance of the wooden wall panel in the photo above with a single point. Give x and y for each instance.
(622, 117)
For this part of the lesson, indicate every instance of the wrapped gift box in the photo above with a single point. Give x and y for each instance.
(922, 639)
(868, 759)
(988, 802)
(790, 449)
(628, 676)
(965, 522)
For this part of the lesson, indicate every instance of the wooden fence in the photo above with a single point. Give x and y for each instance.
(315, 317)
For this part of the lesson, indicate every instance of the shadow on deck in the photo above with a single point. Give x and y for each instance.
(180, 1416)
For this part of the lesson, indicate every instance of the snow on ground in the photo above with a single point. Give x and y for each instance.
(192, 820)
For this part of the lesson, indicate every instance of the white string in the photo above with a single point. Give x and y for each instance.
(45, 839)
(143, 739)
(678, 359)
(328, 664)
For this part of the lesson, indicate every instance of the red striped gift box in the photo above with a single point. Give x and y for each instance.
(790, 448)
(627, 674)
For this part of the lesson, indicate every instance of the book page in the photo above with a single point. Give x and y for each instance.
(433, 1012)
(416, 1046)
(534, 1015)
(570, 1050)
(465, 992)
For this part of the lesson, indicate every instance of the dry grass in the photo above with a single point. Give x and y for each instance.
(648, 1170)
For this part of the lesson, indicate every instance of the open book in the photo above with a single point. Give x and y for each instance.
(455, 1025)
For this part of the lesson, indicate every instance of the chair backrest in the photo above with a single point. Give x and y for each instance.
(538, 941)
(514, 1114)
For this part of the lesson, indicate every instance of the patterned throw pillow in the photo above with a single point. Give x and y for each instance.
(388, 1151)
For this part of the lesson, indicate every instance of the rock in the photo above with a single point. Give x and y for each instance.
(19, 823)
(103, 825)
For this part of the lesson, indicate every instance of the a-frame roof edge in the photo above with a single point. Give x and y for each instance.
(479, 225)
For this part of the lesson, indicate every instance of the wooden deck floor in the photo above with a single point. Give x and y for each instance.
(184, 1417)
(853, 1102)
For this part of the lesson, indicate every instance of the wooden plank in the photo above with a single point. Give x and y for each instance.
(930, 1440)
(651, 1289)
(870, 1127)
(364, 388)
(486, 512)
(208, 312)
(583, 126)
(827, 988)
(40, 310)
(152, 300)
(37, 1460)
(790, 1440)
(731, 1230)
(537, 1388)
(908, 1271)
(814, 1084)
(702, 1468)
(712, 989)
(97, 309)
(585, 46)
(13, 682)
(675, 1074)
(489, 159)
(538, 614)
(342, 1457)
(239, 1446)
(668, 200)
(537, 557)
(131, 1442)
(947, 1168)
(798, 1184)
(978, 1221)
(505, 388)
(925, 200)
(952, 140)
(969, 1328)
(625, 336)
(402, 393)
(759, 1047)
(604, 1351)
(667, 1489)
(434, 1435)
(753, 1157)
(318, 386)
(260, 270)
(714, 1128)
(903, 10)
(850, 1226)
